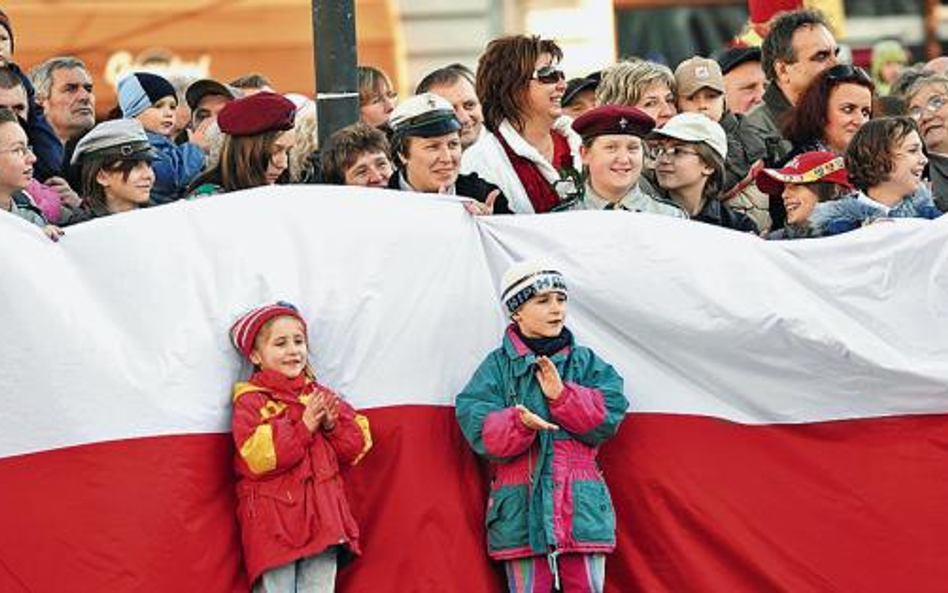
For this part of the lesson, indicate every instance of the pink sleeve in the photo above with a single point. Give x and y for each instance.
(578, 409)
(46, 199)
(504, 435)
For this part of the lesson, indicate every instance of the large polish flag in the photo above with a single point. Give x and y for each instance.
(788, 429)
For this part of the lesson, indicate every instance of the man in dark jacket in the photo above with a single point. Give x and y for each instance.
(798, 47)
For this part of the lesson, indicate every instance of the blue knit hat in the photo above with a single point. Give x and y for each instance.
(141, 90)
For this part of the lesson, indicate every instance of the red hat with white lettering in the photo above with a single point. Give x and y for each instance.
(244, 332)
(809, 167)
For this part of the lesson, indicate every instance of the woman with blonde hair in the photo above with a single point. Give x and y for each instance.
(377, 96)
(647, 86)
(530, 151)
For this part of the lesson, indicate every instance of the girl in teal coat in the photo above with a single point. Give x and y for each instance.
(538, 408)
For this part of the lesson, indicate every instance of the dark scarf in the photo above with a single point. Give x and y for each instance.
(546, 346)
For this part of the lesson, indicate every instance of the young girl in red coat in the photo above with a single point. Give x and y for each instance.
(292, 434)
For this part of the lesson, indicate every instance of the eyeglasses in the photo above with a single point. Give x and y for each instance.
(848, 73)
(20, 151)
(672, 152)
(549, 75)
(934, 103)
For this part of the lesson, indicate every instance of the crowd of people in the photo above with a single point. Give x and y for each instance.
(784, 141)
(741, 140)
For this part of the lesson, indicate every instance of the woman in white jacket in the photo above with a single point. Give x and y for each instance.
(530, 152)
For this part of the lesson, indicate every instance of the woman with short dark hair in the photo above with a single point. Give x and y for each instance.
(885, 162)
(530, 152)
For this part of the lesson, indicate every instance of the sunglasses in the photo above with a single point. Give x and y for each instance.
(847, 73)
(549, 75)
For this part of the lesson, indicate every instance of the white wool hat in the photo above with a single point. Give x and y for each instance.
(526, 279)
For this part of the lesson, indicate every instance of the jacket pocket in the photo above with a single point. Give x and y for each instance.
(594, 519)
(507, 518)
(284, 507)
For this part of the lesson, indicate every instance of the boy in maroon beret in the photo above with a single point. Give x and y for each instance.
(613, 155)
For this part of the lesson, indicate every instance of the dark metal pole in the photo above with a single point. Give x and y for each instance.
(932, 45)
(335, 57)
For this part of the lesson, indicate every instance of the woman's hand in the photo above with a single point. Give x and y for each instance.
(533, 421)
(487, 208)
(549, 378)
(53, 232)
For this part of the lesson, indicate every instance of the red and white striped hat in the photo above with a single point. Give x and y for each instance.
(244, 331)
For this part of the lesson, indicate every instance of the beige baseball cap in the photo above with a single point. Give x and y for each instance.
(697, 73)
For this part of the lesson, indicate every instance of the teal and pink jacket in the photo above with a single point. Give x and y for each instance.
(547, 492)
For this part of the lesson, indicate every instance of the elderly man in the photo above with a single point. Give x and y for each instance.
(744, 80)
(798, 47)
(64, 90)
(455, 83)
(927, 100)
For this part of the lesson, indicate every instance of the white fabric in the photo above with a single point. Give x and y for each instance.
(121, 329)
(487, 158)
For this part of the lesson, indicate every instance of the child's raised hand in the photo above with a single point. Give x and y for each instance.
(315, 412)
(549, 378)
(332, 411)
(533, 421)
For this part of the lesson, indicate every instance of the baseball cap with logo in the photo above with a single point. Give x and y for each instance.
(694, 127)
(697, 73)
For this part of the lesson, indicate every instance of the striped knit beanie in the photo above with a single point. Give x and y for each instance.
(526, 279)
(244, 332)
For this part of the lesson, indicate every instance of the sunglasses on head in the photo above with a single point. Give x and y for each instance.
(847, 72)
(549, 75)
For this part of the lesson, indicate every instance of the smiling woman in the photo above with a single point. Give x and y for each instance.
(530, 152)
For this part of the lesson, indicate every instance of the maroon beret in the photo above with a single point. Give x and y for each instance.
(613, 119)
(256, 114)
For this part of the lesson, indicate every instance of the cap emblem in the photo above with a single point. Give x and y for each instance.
(702, 72)
(623, 123)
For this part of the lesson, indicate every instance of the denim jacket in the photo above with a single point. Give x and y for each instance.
(175, 165)
(858, 209)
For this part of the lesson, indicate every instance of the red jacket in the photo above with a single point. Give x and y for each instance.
(291, 502)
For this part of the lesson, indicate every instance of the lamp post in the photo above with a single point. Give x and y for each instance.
(335, 57)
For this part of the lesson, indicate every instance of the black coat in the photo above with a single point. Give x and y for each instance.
(469, 186)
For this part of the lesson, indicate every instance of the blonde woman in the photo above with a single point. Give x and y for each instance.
(647, 86)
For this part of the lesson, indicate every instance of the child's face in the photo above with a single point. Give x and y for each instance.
(281, 347)
(159, 118)
(543, 316)
(707, 101)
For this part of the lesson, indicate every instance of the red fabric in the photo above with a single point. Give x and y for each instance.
(703, 505)
(761, 11)
(299, 508)
(542, 195)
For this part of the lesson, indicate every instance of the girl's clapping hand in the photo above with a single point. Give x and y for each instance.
(533, 421)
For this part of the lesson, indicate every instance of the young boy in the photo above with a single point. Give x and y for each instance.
(538, 408)
(152, 100)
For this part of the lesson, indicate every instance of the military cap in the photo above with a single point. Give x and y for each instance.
(613, 119)
(256, 114)
(121, 139)
(425, 115)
